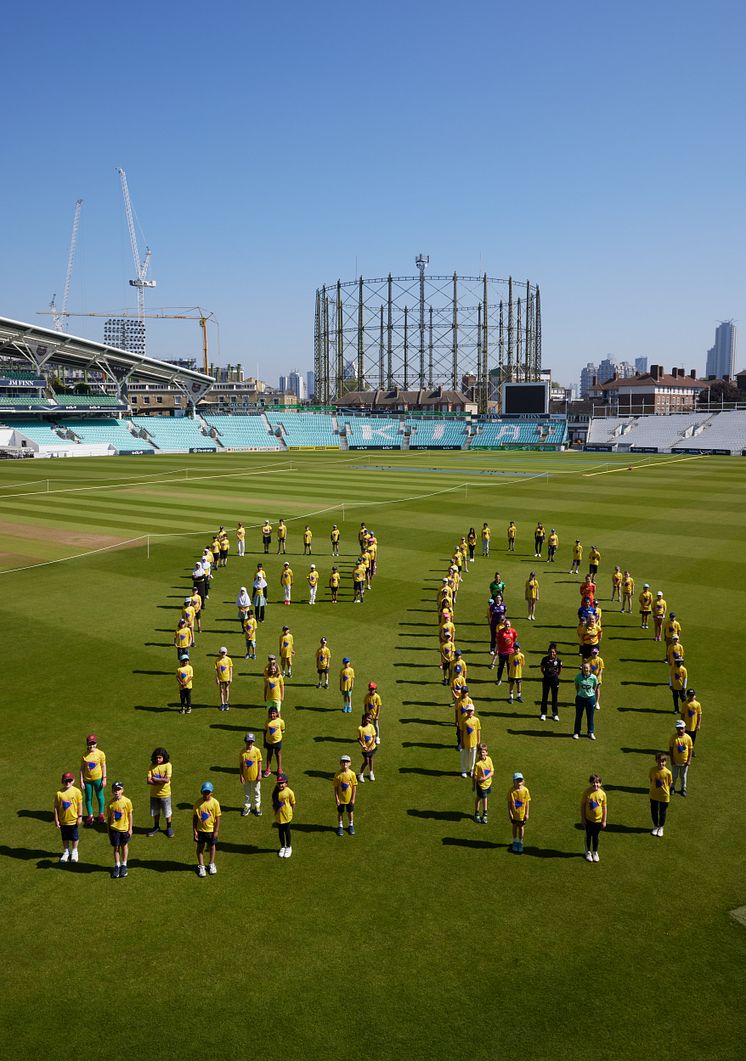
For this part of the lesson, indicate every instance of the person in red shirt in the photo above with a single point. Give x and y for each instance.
(506, 639)
(588, 589)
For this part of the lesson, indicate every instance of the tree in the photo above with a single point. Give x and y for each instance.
(720, 392)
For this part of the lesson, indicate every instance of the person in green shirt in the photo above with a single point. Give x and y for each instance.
(585, 700)
(497, 586)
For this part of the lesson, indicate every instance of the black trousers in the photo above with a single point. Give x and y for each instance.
(658, 812)
(547, 686)
(592, 830)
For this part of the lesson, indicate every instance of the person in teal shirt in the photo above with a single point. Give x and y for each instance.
(585, 700)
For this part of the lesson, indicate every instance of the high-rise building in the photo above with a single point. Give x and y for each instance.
(311, 384)
(606, 369)
(641, 365)
(721, 358)
(125, 334)
(296, 385)
(587, 376)
(283, 385)
(624, 370)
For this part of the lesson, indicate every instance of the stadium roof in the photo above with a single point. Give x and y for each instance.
(43, 346)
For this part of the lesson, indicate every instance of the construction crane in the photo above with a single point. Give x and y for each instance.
(141, 267)
(199, 315)
(60, 316)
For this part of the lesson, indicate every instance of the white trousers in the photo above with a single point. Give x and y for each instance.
(252, 788)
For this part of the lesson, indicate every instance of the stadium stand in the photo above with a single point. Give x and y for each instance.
(43, 435)
(721, 431)
(111, 432)
(305, 429)
(436, 434)
(606, 430)
(243, 432)
(174, 434)
(10, 370)
(520, 433)
(87, 401)
(659, 432)
(372, 432)
(22, 401)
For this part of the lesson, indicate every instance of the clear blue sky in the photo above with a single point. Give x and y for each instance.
(597, 149)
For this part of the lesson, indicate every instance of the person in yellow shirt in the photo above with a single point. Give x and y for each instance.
(593, 812)
(307, 539)
(446, 627)
(458, 657)
(458, 681)
(447, 655)
(241, 539)
(372, 705)
(671, 628)
(312, 578)
(120, 821)
(539, 536)
(659, 613)
(691, 712)
(345, 789)
(250, 771)
(512, 534)
(159, 782)
(597, 667)
(206, 817)
(681, 750)
(283, 804)
(577, 557)
(249, 632)
(323, 661)
(224, 677)
(183, 640)
(678, 682)
(334, 537)
(215, 550)
(519, 805)
(274, 731)
(358, 582)
(366, 738)
(68, 815)
(185, 679)
(481, 779)
(588, 632)
(674, 648)
(594, 559)
(287, 651)
(552, 544)
(486, 538)
(346, 685)
(616, 584)
(274, 685)
(628, 588)
(93, 778)
(646, 606)
(470, 733)
(266, 535)
(532, 595)
(334, 580)
(516, 663)
(460, 707)
(189, 614)
(282, 537)
(660, 793)
(286, 581)
(225, 546)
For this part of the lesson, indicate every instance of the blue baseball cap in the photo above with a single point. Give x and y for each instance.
(346, 659)
(207, 786)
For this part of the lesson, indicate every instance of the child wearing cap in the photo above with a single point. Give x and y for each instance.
(93, 778)
(628, 588)
(334, 580)
(287, 652)
(577, 556)
(206, 827)
(312, 578)
(120, 820)
(68, 814)
(286, 581)
(681, 749)
(274, 728)
(519, 799)
(593, 810)
(346, 685)
(282, 537)
(283, 803)
(224, 677)
(659, 614)
(646, 606)
(366, 738)
(691, 712)
(159, 780)
(334, 537)
(249, 632)
(323, 659)
(185, 679)
(250, 770)
(372, 705)
(678, 682)
(307, 539)
(516, 664)
(345, 789)
(183, 640)
(469, 736)
(481, 777)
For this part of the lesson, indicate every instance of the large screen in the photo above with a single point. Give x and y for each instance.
(523, 398)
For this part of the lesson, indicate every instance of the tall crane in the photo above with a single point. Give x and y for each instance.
(141, 267)
(60, 316)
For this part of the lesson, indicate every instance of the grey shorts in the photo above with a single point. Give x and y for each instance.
(160, 806)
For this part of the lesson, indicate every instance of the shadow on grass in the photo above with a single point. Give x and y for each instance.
(439, 815)
(640, 751)
(424, 744)
(301, 707)
(156, 710)
(646, 710)
(626, 788)
(538, 733)
(422, 703)
(627, 659)
(415, 648)
(427, 773)
(39, 815)
(161, 865)
(47, 860)
(458, 841)
(334, 740)
(312, 827)
(616, 827)
(425, 721)
(321, 775)
(153, 672)
(225, 770)
(649, 685)
(158, 644)
(417, 666)
(229, 729)
(548, 852)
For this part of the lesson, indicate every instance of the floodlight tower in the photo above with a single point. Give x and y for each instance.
(422, 261)
(141, 267)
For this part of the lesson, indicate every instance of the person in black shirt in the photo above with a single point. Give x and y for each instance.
(551, 668)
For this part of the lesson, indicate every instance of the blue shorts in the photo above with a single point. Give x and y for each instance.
(69, 832)
(483, 793)
(117, 839)
(206, 838)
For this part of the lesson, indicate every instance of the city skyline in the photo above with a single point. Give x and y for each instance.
(633, 236)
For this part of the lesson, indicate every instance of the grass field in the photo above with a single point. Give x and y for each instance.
(422, 936)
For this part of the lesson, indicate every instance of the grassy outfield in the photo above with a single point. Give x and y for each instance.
(422, 935)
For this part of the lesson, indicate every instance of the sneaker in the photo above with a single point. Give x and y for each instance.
(576, 736)
(74, 855)
(555, 718)
(115, 872)
(100, 819)
(281, 852)
(258, 812)
(351, 830)
(65, 855)
(123, 871)
(595, 857)
(288, 852)
(371, 776)
(543, 718)
(683, 792)
(591, 736)
(519, 699)
(588, 856)
(152, 832)
(378, 740)
(340, 830)
(464, 775)
(246, 812)
(510, 698)
(361, 779)
(169, 832)
(660, 830)
(478, 819)
(201, 871)
(212, 869)
(485, 819)
(266, 773)
(500, 681)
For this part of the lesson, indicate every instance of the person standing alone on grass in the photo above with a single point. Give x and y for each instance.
(346, 685)
(616, 585)
(323, 660)
(334, 580)
(519, 799)
(471, 541)
(366, 738)
(539, 536)
(120, 820)
(307, 539)
(481, 776)
(486, 536)
(628, 588)
(286, 581)
(470, 733)
(532, 595)
(312, 578)
(594, 559)
(345, 788)
(551, 668)
(250, 771)
(206, 827)
(512, 534)
(593, 810)
(185, 680)
(266, 536)
(334, 537)
(282, 537)
(585, 700)
(577, 557)
(552, 543)
(283, 803)
(241, 539)
(68, 815)
(681, 749)
(646, 606)
(505, 640)
(224, 677)
(159, 782)
(661, 780)
(93, 778)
